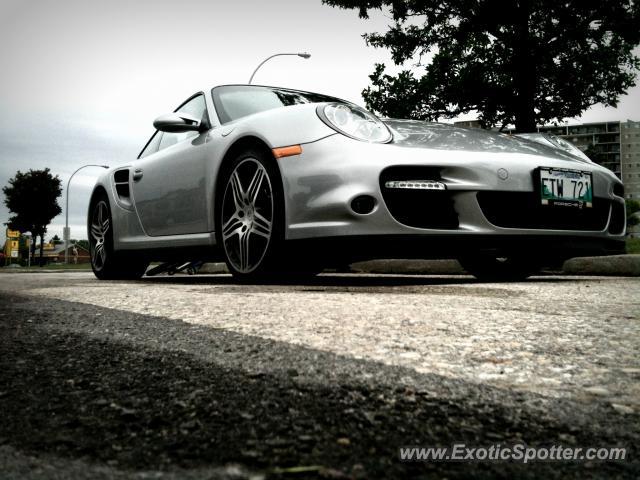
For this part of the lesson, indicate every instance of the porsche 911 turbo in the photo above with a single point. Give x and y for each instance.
(279, 182)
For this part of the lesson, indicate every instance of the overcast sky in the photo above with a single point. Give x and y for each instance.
(82, 80)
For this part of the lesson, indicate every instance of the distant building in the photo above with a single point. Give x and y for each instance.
(55, 253)
(468, 124)
(630, 157)
(616, 143)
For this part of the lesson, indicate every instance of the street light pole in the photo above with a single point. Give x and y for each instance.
(66, 234)
(303, 55)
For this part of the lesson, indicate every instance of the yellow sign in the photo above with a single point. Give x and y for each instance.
(12, 245)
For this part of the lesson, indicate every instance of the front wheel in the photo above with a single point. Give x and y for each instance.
(249, 216)
(488, 268)
(250, 221)
(106, 263)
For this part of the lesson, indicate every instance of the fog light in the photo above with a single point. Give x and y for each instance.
(415, 185)
(363, 204)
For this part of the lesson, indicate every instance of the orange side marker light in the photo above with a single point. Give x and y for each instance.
(287, 151)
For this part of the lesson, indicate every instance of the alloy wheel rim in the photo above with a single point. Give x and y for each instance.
(99, 228)
(247, 215)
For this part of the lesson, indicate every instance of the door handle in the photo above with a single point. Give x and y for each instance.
(137, 175)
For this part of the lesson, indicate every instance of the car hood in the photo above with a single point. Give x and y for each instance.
(440, 136)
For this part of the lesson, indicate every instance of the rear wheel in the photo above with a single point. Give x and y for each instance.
(107, 264)
(490, 268)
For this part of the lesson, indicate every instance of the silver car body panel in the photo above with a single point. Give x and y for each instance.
(555, 142)
(170, 197)
(321, 183)
(172, 204)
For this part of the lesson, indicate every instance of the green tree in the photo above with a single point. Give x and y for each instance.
(633, 207)
(23, 248)
(55, 240)
(33, 198)
(521, 62)
(82, 243)
(593, 153)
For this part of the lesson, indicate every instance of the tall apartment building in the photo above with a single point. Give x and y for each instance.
(617, 145)
(630, 157)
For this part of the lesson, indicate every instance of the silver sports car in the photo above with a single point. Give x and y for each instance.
(278, 182)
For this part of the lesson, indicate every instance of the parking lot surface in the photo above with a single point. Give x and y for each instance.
(198, 376)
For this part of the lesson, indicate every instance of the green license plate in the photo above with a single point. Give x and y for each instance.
(566, 188)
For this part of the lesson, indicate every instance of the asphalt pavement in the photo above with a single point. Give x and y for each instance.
(201, 377)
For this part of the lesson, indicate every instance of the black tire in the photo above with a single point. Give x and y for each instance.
(235, 213)
(106, 263)
(489, 268)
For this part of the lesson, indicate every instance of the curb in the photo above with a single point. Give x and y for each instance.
(213, 268)
(409, 267)
(617, 265)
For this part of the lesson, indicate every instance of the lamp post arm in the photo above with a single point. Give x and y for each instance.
(66, 211)
(266, 60)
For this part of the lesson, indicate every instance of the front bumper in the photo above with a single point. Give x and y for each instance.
(321, 183)
(549, 250)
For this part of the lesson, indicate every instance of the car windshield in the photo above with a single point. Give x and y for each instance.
(236, 101)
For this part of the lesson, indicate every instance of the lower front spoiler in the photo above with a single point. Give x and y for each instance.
(347, 249)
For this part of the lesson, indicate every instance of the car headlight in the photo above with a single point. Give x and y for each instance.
(354, 122)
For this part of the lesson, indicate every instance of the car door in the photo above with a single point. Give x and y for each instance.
(169, 190)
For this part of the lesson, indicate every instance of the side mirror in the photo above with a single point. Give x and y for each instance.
(176, 123)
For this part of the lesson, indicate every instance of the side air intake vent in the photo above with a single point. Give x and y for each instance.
(121, 180)
(618, 189)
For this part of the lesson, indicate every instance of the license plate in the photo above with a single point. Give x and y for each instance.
(566, 188)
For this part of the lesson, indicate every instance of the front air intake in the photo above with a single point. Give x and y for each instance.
(617, 221)
(417, 197)
(524, 210)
